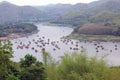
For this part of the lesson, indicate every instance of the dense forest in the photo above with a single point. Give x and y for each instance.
(22, 28)
(75, 66)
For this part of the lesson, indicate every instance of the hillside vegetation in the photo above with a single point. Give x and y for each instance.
(98, 29)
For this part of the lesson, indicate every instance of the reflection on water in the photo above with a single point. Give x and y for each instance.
(49, 37)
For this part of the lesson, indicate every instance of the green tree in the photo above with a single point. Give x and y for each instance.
(27, 61)
(31, 69)
(6, 65)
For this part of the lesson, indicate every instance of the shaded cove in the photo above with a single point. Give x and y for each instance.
(50, 38)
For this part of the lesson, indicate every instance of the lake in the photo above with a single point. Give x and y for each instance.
(50, 38)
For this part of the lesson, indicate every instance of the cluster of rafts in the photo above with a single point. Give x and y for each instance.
(42, 42)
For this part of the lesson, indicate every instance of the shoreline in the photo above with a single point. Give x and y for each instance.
(20, 35)
(17, 35)
(60, 25)
(81, 37)
(102, 38)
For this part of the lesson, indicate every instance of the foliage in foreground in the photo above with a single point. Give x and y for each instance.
(27, 69)
(78, 67)
(31, 69)
(73, 66)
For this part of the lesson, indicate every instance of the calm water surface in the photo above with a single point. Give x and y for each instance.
(49, 37)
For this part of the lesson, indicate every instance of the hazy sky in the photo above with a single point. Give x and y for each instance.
(45, 2)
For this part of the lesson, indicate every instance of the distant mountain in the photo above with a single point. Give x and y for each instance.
(54, 11)
(81, 15)
(102, 13)
(77, 14)
(10, 13)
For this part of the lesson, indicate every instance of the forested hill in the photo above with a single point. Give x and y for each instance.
(79, 13)
(102, 13)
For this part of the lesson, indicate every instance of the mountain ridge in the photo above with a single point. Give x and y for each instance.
(11, 13)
